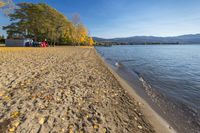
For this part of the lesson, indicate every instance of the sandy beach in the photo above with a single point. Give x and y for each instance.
(64, 89)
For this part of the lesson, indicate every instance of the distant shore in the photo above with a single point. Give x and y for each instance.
(134, 43)
(64, 89)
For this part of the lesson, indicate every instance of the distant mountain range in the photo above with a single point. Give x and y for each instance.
(190, 38)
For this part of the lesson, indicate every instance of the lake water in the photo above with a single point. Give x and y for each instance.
(168, 74)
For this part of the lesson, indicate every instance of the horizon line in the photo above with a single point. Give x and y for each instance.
(147, 36)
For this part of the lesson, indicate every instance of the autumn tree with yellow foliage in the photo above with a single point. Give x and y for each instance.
(40, 22)
(81, 32)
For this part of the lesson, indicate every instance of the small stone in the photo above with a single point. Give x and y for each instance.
(51, 121)
(45, 129)
(15, 114)
(16, 124)
(96, 126)
(42, 120)
(1, 94)
(104, 130)
(71, 130)
(7, 98)
(12, 129)
(35, 128)
(87, 116)
(71, 126)
(140, 127)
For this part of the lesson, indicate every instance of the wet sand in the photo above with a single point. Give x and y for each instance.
(64, 89)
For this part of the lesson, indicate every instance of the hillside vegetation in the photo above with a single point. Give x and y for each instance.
(184, 39)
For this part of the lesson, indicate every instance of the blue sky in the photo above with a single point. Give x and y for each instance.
(123, 18)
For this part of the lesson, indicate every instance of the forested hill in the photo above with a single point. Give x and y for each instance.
(184, 39)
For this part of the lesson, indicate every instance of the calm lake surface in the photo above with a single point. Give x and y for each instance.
(170, 76)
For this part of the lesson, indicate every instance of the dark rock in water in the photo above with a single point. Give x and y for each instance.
(118, 64)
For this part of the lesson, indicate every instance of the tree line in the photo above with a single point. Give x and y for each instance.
(42, 22)
(2, 39)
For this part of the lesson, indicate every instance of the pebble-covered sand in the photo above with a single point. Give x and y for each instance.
(63, 89)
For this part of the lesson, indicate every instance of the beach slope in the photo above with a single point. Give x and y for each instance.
(64, 89)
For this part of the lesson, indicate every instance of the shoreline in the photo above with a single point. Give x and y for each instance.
(158, 122)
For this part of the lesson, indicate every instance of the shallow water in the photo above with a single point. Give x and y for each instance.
(170, 75)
